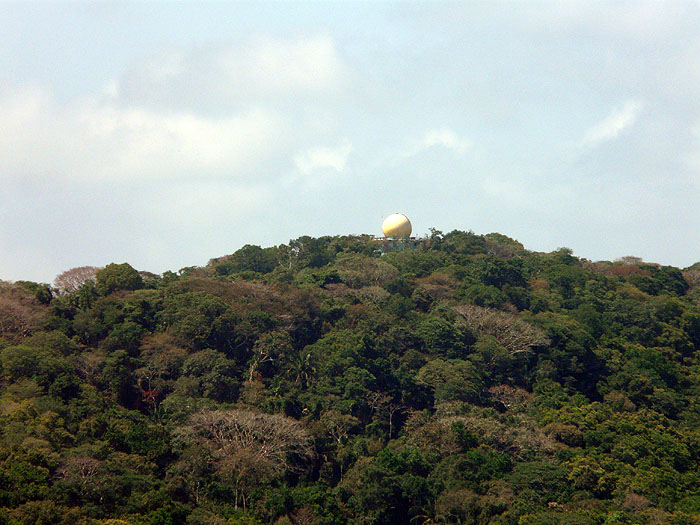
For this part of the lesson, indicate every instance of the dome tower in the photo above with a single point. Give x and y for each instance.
(397, 226)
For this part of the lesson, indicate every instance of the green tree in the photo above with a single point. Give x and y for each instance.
(115, 277)
(250, 258)
(452, 380)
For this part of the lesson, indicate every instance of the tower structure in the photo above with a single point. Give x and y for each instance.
(397, 230)
(397, 226)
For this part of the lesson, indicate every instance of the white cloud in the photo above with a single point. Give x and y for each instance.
(323, 158)
(611, 126)
(311, 64)
(437, 138)
(227, 77)
(445, 138)
(207, 113)
(103, 141)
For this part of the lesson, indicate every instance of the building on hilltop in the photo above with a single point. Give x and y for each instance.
(397, 230)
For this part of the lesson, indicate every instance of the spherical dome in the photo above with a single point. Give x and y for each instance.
(397, 225)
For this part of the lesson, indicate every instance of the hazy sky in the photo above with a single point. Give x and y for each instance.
(164, 134)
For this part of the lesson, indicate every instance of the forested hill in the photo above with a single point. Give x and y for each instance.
(466, 381)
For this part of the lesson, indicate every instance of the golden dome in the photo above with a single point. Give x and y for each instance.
(397, 225)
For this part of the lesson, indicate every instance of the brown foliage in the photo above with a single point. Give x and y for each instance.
(70, 280)
(161, 352)
(539, 284)
(358, 271)
(511, 397)
(635, 502)
(509, 330)
(371, 295)
(89, 365)
(288, 304)
(692, 277)
(368, 295)
(20, 312)
(520, 438)
(625, 270)
(438, 286)
(272, 440)
(247, 448)
(304, 516)
(623, 267)
(440, 279)
(452, 505)
(337, 290)
(434, 435)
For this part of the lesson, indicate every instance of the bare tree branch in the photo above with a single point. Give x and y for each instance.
(508, 329)
(70, 280)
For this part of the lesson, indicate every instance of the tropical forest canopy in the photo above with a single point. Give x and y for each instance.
(468, 380)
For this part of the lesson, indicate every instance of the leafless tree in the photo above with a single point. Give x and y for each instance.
(304, 516)
(20, 312)
(380, 402)
(70, 280)
(509, 330)
(371, 295)
(377, 402)
(86, 474)
(630, 259)
(358, 271)
(393, 409)
(250, 447)
(338, 425)
(511, 397)
(268, 349)
(15, 319)
(692, 277)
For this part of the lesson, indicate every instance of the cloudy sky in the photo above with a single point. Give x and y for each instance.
(165, 134)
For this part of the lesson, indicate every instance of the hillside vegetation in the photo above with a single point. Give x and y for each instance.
(466, 381)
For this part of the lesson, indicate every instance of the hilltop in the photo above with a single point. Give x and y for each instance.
(467, 380)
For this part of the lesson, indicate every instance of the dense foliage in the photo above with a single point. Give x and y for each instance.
(465, 381)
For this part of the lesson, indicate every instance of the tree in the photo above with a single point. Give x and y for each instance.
(84, 476)
(508, 329)
(392, 487)
(269, 348)
(338, 425)
(70, 280)
(357, 270)
(115, 277)
(249, 448)
(213, 373)
(452, 380)
(20, 313)
(249, 258)
(442, 336)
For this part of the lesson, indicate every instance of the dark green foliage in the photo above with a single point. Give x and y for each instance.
(21, 481)
(210, 374)
(467, 380)
(484, 295)
(42, 292)
(115, 277)
(391, 488)
(249, 258)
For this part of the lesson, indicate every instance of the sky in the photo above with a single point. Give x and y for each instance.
(164, 134)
